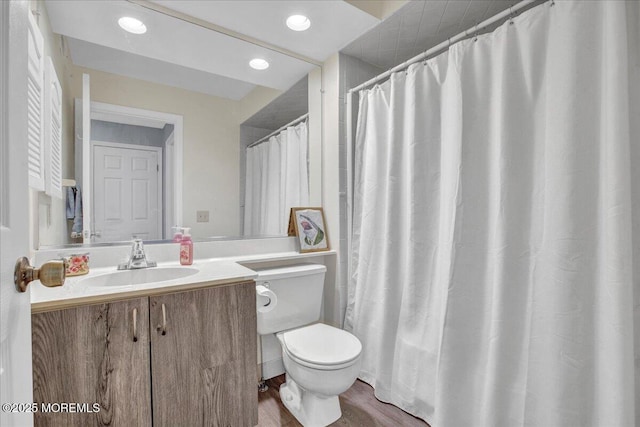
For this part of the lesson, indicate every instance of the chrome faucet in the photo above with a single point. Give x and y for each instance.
(138, 258)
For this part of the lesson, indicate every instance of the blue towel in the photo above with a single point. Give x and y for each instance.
(71, 202)
(76, 229)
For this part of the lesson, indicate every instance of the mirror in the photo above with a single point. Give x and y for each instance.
(156, 125)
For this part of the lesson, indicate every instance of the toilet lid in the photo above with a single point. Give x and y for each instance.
(321, 344)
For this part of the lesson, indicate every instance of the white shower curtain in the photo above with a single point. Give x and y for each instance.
(277, 179)
(496, 242)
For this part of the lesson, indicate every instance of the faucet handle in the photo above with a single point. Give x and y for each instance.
(137, 245)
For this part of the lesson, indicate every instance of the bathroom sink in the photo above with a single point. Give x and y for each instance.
(138, 277)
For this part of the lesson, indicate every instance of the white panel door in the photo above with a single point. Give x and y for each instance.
(127, 192)
(15, 308)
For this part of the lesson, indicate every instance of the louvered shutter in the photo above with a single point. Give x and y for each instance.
(53, 131)
(35, 84)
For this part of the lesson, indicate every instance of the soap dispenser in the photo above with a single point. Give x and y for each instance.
(186, 247)
(177, 234)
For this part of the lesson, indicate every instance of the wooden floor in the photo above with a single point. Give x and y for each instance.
(359, 408)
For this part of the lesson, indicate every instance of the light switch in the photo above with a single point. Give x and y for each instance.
(202, 216)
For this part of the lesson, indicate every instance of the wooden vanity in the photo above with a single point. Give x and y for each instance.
(169, 358)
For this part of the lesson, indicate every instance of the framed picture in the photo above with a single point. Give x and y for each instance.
(309, 226)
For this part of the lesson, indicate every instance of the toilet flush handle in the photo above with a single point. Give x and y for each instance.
(266, 299)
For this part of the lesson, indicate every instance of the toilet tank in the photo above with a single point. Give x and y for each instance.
(298, 289)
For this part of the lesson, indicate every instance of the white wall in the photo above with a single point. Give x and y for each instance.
(330, 178)
(381, 9)
(315, 137)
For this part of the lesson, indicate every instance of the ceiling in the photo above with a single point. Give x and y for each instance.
(334, 23)
(418, 26)
(178, 53)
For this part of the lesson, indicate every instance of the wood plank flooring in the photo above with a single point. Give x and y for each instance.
(359, 408)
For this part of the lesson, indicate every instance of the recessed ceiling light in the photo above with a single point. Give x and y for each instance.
(132, 25)
(259, 64)
(298, 22)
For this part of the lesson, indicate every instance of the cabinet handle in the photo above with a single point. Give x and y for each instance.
(164, 320)
(135, 325)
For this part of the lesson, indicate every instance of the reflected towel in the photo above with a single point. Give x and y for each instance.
(71, 202)
(76, 229)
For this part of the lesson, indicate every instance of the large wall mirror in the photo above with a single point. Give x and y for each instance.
(159, 127)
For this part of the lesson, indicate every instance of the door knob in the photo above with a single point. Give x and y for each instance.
(51, 273)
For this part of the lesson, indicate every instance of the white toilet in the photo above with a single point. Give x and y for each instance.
(320, 361)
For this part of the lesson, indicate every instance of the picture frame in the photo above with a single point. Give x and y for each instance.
(310, 227)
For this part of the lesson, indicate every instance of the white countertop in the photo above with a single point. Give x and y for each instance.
(74, 292)
(212, 272)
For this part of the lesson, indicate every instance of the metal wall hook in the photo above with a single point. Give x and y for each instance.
(51, 273)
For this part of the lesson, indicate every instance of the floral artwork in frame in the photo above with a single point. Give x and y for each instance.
(310, 228)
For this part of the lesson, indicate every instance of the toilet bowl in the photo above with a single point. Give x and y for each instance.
(320, 361)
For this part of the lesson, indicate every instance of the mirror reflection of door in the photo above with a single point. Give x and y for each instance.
(127, 194)
(127, 191)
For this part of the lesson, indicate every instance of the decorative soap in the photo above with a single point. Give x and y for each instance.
(77, 264)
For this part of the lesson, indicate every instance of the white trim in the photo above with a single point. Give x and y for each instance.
(129, 115)
(169, 191)
(172, 214)
(160, 176)
(126, 146)
(350, 183)
(87, 183)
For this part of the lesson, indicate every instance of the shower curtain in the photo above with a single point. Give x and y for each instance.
(496, 244)
(277, 179)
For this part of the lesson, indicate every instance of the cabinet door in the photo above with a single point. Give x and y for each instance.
(203, 357)
(88, 355)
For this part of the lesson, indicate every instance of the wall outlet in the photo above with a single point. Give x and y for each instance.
(202, 216)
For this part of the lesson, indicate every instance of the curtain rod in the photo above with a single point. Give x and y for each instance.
(291, 123)
(445, 44)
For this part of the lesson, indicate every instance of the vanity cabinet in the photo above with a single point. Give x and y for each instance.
(203, 353)
(87, 355)
(193, 363)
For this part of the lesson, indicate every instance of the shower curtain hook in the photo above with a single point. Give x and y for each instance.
(510, 15)
(475, 34)
(552, 3)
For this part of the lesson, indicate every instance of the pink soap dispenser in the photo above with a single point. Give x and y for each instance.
(186, 247)
(177, 234)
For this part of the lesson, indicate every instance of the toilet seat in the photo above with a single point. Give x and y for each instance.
(321, 346)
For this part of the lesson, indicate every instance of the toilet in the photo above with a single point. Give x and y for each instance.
(320, 361)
